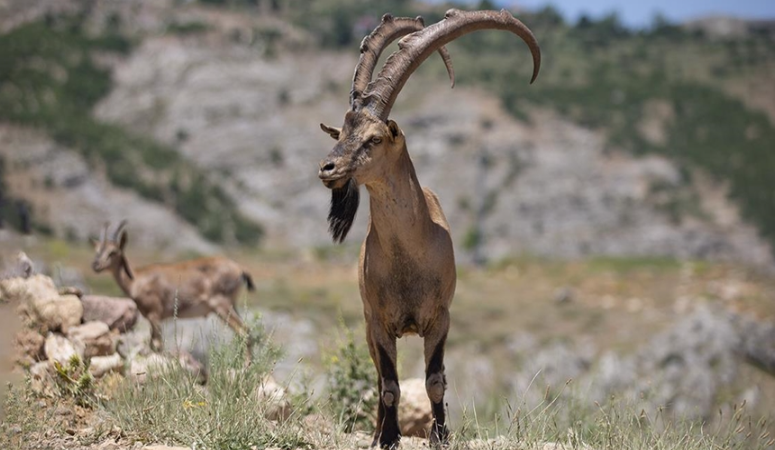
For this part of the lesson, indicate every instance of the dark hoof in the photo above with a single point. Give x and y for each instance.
(389, 439)
(439, 436)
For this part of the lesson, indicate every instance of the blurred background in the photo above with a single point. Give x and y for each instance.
(613, 222)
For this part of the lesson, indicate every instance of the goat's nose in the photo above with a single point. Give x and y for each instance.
(326, 166)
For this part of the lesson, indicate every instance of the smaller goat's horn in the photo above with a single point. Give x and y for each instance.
(118, 231)
(105, 231)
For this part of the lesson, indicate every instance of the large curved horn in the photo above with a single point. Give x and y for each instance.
(118, 231)
(416, 47)
(390, 29)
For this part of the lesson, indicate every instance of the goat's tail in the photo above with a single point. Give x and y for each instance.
(248, 281)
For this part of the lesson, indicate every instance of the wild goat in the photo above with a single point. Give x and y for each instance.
(407, 266)
(188, 289)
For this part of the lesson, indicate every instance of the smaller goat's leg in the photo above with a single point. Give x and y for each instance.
(225, 310)
(156, 341)
(390, 393)
(436, 380)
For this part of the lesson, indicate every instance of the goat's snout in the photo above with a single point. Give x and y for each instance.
(95, 266)
(327, 168)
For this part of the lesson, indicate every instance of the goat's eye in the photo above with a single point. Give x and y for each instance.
(376, 140)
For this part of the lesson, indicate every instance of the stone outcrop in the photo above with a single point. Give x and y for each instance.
(28, 345)
(40, 303)
(58, 348)
(414, 410)
(94, 337)
(273, 396)
(117, 313)
(103, 365)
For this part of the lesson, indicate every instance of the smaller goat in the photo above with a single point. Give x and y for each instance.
(188, 289)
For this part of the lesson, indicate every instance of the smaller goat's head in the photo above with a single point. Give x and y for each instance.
(368, 141)
(109, 253)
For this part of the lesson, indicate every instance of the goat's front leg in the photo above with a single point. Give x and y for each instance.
(435, 379)
(388, 433)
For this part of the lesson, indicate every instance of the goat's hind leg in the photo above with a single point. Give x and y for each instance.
(436, 380)
(222, 306)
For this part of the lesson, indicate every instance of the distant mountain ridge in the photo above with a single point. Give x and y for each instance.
(563, 168)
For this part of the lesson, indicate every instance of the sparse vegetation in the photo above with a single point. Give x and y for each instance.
(228, 414)
(351, 384)
(73, 380)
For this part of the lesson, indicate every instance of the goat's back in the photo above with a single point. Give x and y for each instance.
(190, 281)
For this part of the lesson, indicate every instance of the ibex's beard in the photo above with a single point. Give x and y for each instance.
(344, 205)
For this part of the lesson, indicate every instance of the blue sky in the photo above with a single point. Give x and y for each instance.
(639, 13)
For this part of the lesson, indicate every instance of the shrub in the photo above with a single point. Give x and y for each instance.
(352, 384)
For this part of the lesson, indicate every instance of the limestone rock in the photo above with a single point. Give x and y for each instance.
(414, 409)
(101, 365)
(59, 348)
(22, 268)
(94, 337)
(137, 341)
(192, 365)
(142, 367)
(278, 407)
(29, 347)
(116, 312)
(155, 364)
(23, 290)
(41, 378)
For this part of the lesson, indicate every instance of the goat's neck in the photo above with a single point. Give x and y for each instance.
(399, 212)
(121, 274)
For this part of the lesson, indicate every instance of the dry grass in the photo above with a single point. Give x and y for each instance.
(613, 303)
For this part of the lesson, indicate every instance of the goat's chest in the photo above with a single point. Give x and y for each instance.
(399, 286)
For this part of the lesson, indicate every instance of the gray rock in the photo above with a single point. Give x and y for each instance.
(40, 301)
(29, 347)
(141, 367)
(94, 337)
(273, 397)
(414, 409)
(102, 365)
(137, 341)
(60, 349)
(24, 290)
(41, 378)
(117, 313)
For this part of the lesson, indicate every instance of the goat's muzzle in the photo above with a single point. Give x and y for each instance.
(331, 176)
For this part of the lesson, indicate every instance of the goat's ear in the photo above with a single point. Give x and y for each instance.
(95, 243)
(122, 240)
(333, 132)
(393, 127)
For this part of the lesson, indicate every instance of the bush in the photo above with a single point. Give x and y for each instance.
(352, 384)
(74, 380)
(171, 406)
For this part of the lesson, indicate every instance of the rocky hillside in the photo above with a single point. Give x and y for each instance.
(234, 96)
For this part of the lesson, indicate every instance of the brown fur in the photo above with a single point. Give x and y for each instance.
(407, 265)
(187, 289)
